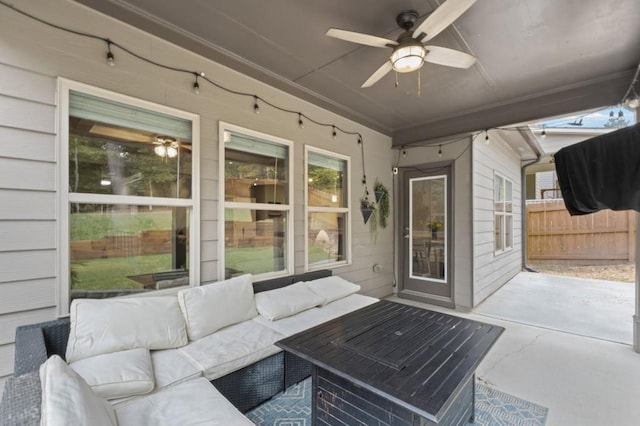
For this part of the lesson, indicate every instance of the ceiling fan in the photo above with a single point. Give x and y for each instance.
(409, 54)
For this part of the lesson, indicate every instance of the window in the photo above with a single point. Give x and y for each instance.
(128, 219)
(257, 189)
(327, 195)
(503, 212)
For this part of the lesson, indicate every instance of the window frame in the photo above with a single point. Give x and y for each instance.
(65, 197)
(504, 214)
(223, 204)
(311, 209)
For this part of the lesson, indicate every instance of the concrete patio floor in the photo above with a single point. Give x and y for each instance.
(556, 352)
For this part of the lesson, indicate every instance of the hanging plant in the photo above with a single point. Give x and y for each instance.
(382, 199)
(367, 208)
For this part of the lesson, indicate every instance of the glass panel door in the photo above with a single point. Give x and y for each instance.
(428, 228)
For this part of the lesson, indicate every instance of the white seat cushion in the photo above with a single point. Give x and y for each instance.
(287, 301)
(298, 322)
(195, 402)
(112, 325)
(349, 304)
(333, 288)
(68, 400)
(213, 306)
(232, 348)
(118, 374)
(171, 367)
(315, 316)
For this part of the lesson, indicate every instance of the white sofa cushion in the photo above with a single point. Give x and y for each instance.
(68, 400)
(118, 374)
(232, 348)
(195, 402)
(111, 325)
(349, 304)
(287, 301)
(315, 316)
(298, 322)
(171, 367)
(333, 288)
(213, 306)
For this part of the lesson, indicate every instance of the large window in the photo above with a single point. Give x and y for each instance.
(257, 203)
(327, 195)
(128, 190)
(503, 213)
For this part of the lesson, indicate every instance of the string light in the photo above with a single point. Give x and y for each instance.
(440, 151)
(486, 137)
(111, 60)
(300, 122)
(196, 84)
(620, 114)
(544, 132)
(404, 153)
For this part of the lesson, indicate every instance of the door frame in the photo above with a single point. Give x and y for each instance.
(403, 253)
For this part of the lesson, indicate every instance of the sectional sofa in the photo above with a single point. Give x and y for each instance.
(204, 355)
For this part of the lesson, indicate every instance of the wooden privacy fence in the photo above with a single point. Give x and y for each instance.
(554, 236)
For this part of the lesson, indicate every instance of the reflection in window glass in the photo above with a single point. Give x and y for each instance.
(116, 151)
(112, 153)
(256, 174)
(428, 227)
(255, 241)
(123, 249)
(327, 195)
(326, 238)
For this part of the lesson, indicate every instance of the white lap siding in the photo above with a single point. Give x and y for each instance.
(491, 270)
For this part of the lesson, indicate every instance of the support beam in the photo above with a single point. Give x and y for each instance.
(636, 317)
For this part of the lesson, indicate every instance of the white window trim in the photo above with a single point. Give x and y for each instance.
(222, 204)
(504, 213)
(62, 180)
(308, 209)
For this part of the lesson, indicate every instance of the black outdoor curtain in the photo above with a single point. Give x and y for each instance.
(601, 173)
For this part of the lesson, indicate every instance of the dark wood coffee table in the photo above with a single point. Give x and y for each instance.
(390, 363)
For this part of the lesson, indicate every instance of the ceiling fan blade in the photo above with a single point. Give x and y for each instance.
(441, 18)
(449, 57)
(381, 72)
(360, 38)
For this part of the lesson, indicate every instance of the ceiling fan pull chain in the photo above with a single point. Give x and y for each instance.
(397, 84)
(419, 84)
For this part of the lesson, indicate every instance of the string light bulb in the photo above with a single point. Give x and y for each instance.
(196, 86)
(111, 60)
(611, 114)
(300, 122)
(440, 151)
(359, 139)
(334, 133)
(256, 107)
(404, 153)
(544, 132)
(620, 114)
(486, 137)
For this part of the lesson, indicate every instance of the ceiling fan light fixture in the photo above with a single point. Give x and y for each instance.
(166, 147)
(408, 57)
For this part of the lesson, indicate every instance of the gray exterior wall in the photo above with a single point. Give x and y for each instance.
(460, 153)
(33, 56)
(491, 271)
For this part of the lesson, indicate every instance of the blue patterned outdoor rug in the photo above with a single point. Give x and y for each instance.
(293, 408)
